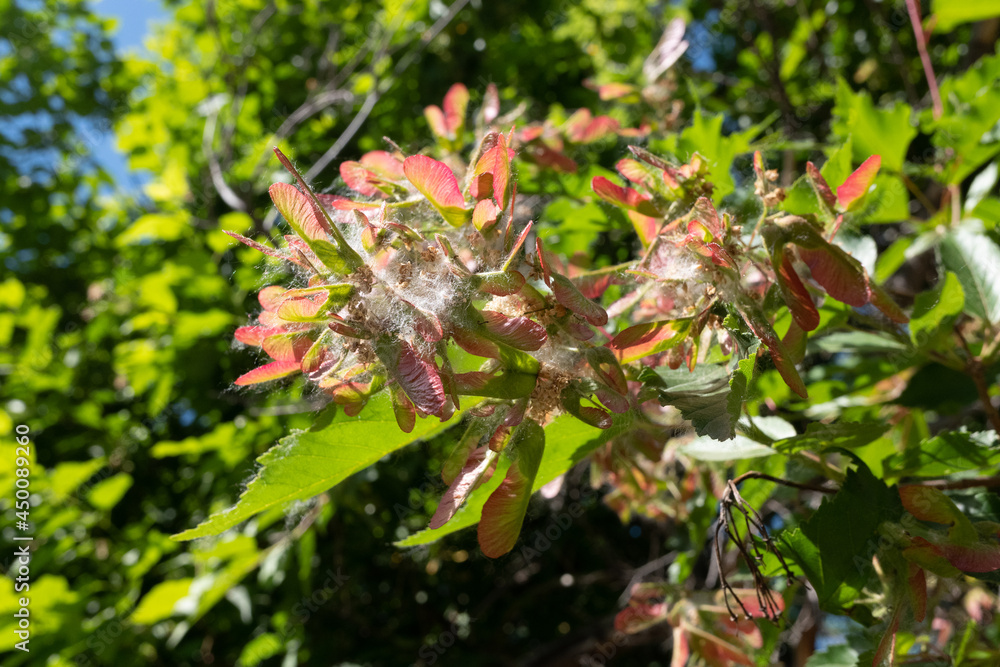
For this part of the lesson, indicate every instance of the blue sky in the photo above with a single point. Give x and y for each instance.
(134, 18)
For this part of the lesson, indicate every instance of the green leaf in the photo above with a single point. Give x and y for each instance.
(705, 137)
(835, 546)
(105, 494)
(873, 131)
(935, 310)
(964, 131)
(704, 396)
(260, 648)
(710, 449)
(975, 260)
(567, 442)
(819, 436)
(946, 454)
(328, 253)
(159, 602)
(304, 465)
(857, 342)
(950, 13)
(154, 227)
(66, 477)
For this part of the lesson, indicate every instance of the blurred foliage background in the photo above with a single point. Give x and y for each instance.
(118, 302)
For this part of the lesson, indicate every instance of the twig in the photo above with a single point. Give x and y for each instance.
(228, 195)
(643, 570)
(974, 367)
(925, 58)
(971, 483)
(378, 91)
(975, 370)
(753, 474)
(751, 549)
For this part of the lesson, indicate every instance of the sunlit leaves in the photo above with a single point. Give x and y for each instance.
(304, 465)
(936, 309)
(438, 184)
(975, 259)
(504, 512)
(857, 184)
(647, 339)
(835, 546)
(418, 377)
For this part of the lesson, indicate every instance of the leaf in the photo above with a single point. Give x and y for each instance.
(797, 297)
(520, 333)
(108, 492)
(819, 436)
(268, 372)
(780, 355)
(838, 273)
(456, 100)
(360, 179)
(306, 464)
(605, 365)
(702, 396)
(916, 589)
(159, 602)
(947, 453)
(417, 377)
(297, 211)
(935, 310)
(820, 186)
(625, 197)
(886, 132)
(929, 504)
(856, 186)
(492, 174)
(485, 214)
(402, 408)
(567, 442)
(570, 399)
(707, 448)
(154, 227)
(438, 184)
(835, 546)
(975, 259)
(643, 340)
(950, 14)
(572, 298)
(499, 283)
(462, 485)
(504, 512)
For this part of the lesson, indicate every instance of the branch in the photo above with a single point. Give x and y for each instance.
(925, 58)
(228, 195)
(753, 474)
(377, 92)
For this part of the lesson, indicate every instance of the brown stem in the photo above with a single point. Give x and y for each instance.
(753, 474)
(916, 192)
(975, 370)
(971, 483)
(974, 367)
(925, 58)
